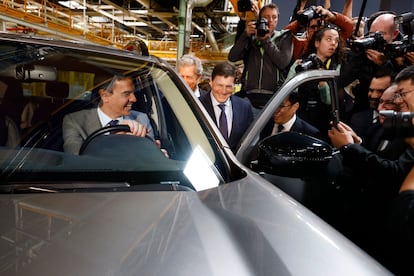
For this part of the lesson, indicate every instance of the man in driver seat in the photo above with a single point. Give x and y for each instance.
(114, 108)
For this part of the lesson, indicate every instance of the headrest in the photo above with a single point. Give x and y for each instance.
(57, 89)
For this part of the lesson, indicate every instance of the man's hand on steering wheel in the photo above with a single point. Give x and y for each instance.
(136, 128)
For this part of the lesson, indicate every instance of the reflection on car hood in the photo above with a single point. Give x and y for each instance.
(229, 230)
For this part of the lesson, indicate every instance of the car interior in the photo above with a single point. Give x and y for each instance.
(40, 85)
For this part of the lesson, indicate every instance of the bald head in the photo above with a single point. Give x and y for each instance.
(387, 101)
(386, 26)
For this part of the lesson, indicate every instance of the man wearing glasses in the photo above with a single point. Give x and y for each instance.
(285, 119)
(403, 97)
(366, 122)
(370, 180)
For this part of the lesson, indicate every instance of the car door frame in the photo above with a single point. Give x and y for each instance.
(251, 138)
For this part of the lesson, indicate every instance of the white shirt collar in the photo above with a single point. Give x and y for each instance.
(216, 103)
(286, 126)
(105, 119)
(197, 92)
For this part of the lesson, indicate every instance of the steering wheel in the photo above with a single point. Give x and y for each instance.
(103, 131)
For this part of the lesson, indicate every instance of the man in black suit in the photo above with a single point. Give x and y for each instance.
(285, 119)
(232, 114)
(366, 122)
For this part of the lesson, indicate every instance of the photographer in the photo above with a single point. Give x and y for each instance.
(401, 219)
(373, 180)
(325, 52)
(365, 59)
(314, 18)
(265, 53)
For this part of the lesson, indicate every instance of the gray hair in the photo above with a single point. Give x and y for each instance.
(189, 60)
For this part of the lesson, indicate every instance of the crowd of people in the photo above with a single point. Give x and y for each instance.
(376, 207)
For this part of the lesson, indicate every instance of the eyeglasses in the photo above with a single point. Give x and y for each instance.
(283, 106)
(400, 95)
(387, 103)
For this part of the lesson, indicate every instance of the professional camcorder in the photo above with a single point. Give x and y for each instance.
(311, 62)
(406, 20)
(400, 48)
(398, 124)
(391, 50)
(308, 14)
(373, 41)
(244, 5)
(262, 27)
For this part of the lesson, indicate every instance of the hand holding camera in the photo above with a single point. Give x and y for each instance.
(311, 62)
(248, 9)
(262, 27)
(258, 28)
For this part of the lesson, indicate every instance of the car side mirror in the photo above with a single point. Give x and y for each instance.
(293, 154)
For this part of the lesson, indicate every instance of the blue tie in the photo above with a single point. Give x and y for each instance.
(113, 123)
(223, 121)
(280, 128)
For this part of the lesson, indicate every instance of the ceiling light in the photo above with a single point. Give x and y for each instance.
(136, 23)
(72, 5)
(99, 19)
(139, 11)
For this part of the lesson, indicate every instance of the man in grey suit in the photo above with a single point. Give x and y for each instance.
(190, 69)
(115, 107)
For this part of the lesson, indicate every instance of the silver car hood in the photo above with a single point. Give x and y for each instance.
(235, 229)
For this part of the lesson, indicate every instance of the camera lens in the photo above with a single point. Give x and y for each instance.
(261, 27)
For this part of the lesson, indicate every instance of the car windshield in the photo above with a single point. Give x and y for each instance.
(42, 81)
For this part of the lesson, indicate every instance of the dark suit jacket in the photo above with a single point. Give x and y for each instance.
(242, 117)
(79, 125)
(202, 92)
(361, 123)
(299, 125)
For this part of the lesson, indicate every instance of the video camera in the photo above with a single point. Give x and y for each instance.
(262, 27)
(373, 41)
(311, 62)
(307, 15)
(391, 50)
(406, 20)
(398, 124)
(400, 48)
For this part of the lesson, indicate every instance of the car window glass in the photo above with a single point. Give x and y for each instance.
(41, 84)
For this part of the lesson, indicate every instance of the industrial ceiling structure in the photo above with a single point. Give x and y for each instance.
(208, 24)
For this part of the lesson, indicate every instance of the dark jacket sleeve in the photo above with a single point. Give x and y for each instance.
(241, 27)
(280, 51)
(240, 48)
(381, 169)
